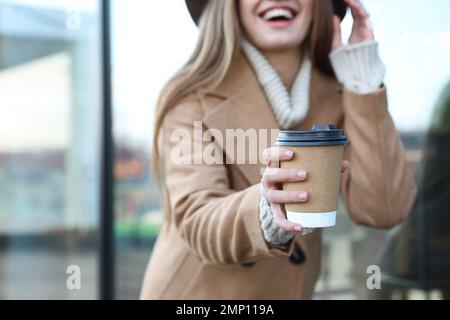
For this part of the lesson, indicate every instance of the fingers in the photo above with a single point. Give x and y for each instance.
(281, 196)
(337, 35)
(357, 9)
(345, 166)
(362, 29)
(276, 175)
(275, 154)
(279, 218)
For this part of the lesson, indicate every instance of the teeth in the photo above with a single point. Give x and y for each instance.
(278, 13)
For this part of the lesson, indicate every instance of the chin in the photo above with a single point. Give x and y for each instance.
(279, 44)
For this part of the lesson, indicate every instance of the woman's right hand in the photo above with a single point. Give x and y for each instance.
(272, 182)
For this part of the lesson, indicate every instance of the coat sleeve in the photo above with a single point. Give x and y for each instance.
(378, 190)
(219, 224)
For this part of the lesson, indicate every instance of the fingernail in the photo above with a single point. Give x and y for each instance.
(302, 195)
(301, 174)
(298, 228)
(289, 153)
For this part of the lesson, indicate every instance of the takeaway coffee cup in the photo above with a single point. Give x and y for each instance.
(320, 152)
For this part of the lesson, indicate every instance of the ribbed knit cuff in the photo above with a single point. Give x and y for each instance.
(358, 67)
(273, 234)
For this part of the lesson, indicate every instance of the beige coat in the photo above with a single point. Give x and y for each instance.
(213, 247)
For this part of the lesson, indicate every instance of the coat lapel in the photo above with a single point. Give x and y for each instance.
(244, 107)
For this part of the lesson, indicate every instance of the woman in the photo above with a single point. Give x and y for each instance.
(265, 64)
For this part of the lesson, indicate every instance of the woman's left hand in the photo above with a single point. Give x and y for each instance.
(361, 30)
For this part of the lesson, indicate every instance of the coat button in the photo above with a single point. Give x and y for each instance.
(297, 257)
(249, 264)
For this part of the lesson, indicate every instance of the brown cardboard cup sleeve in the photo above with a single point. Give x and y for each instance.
(320, 152)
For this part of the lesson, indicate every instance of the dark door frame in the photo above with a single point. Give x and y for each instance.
(106, 241)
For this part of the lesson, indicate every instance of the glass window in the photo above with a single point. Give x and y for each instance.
(50, 128)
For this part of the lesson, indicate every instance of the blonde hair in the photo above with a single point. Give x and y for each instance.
(206, 68)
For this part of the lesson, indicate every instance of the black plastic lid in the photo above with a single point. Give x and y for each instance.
(319, 135)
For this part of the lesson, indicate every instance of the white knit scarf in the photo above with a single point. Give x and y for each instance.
(289, 109)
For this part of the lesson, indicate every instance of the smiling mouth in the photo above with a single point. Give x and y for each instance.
(278, 14)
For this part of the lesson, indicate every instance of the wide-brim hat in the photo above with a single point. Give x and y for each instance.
(196, 8)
